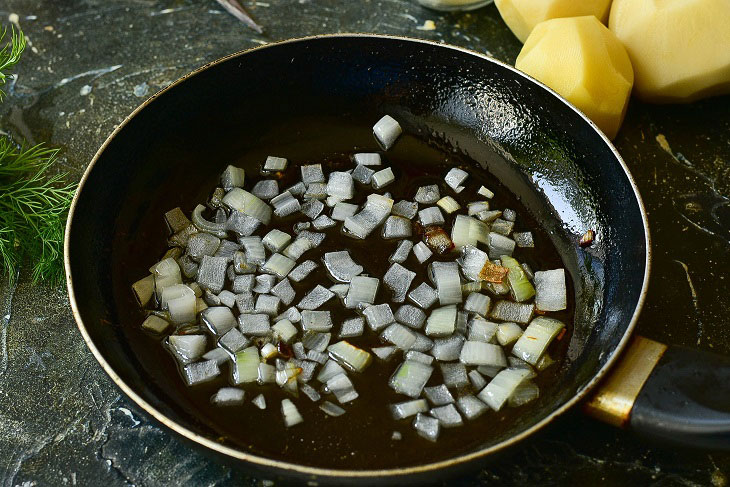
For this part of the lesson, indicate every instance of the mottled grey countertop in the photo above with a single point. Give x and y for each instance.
(90, 62)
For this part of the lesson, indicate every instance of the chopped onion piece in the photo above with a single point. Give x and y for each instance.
(292, 314)
(422, 252)
(447, 416)
(155, 324)
(379, 316)
(274, 164)
(300, 272)
(267, 304)
(285, 204)
(267, 374)
(508, 333)
(265, 189)
(176, 220)
(397, 227)
(398, 279)
(418, 356)
(362, 290)
(367, 158)
(503, 227)
(454, 375)
(468, 231)
(478, 382)
(352, 327)
(331, 409)
(340, 185)
(410, 378)
(218, 319)
(362, 174)
(254, 324)
(526, 392)
(322, 222)
(276, 240)
(521, 287)
(470, 406)
(329, 370)
(284, 291)
(315, 298)
(510, 311)
(340, 290)
(245, 202)
(482, 330)
(477, 303)
(422, 343)
(318, 191)
(341, 266)
(455, 177)
(509, 215)
(423, 295)
(485, 192)
(480, 353)
(502, 387)
(284, 331)
(218, 354)
(476, 207)
(441, 322)
(217, 229)
(246, 367)
(500, 245)
(376, 210)
(341, 386)
(259, 401)
(290, 413)
(399, 336)
(312, 208)
(401, 252)
(447, 349)
(312, 173)
(255, 252)
(406, 209)
(297, 248)
(551, 290)
(408, 408)
(182, 309)
(233, 177)
(386, 131)
(431, 216)
(426, 427)
(343, 210)
(410, 316)
(316, 320)
(448, 204)
(438, 395)
(167, 273)
(245, 302)
(445, 275)
(278, 265)
(427, 195)
(187, 348)
(382, 178)
(536, 338)
(384, 353)
(145, 288)
(199, 372)
(264, 283)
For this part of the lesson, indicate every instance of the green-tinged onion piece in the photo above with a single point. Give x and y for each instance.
(349, 355)
(502, 387)
(246, 368)
(536, 338)
(520, 285)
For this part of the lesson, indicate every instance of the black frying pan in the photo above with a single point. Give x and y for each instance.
(565, 172)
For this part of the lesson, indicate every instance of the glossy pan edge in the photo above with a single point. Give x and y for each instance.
(287, 468)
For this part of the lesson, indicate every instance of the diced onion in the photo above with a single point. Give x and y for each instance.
(480, 353)
(441, 322)
(502, 387)
(521, 287)
(386, 131)
(408, 408)
(551, 293)
(410, 378)
(445, 275)
(246, 367)
(290, 413)
(245, 202)
(536, 338)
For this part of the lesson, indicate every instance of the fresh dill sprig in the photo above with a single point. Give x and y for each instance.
(10, 53)
(33, 205)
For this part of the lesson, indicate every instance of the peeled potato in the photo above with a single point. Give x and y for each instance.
(521, 16)
(583, 61)
(680, 49)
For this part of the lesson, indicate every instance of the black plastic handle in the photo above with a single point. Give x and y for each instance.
(686, 400)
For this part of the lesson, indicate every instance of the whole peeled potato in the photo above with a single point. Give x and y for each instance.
(583, 61)
(680, 49)
(521, 16)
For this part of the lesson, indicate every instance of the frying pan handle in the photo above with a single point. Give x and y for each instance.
(671, 394)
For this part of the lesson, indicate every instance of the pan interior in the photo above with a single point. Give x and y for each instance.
(304, 95)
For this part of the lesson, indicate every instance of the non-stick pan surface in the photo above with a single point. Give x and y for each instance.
(562, 168)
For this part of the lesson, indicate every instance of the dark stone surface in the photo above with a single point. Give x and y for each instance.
(89, 63)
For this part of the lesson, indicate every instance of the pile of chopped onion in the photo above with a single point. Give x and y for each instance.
(471, 338)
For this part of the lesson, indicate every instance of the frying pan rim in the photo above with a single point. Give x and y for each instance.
(335, 473)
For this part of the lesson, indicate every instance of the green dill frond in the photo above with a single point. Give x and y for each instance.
(33, 209)
(10, 52)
